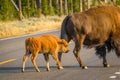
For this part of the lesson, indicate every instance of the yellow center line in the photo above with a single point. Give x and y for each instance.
(7, 61)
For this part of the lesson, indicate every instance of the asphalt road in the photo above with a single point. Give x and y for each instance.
(12, 51)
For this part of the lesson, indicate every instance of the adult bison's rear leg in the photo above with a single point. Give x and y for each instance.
(105, 64)
(101, 51)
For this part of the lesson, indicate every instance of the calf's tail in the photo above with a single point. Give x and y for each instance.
(27, 46)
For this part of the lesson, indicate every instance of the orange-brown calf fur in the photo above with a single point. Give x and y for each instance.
(46, 44)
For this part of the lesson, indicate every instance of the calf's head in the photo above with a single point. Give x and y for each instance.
(63, 45)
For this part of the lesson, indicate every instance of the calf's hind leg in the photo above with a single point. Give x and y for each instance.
(46, 56)
(25, 57)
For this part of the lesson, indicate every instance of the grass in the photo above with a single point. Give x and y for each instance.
(28, 26)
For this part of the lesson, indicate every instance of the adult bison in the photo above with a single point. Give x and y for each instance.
(97, 27)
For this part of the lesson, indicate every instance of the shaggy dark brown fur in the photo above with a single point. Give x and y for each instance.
(97, 27)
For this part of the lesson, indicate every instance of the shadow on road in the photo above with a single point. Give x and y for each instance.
(31, 69)
(43, 68)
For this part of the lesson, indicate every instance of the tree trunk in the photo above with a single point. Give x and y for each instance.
(66, 8)
(38, 2)
(71, 5)
(50, 3)
(57, 1)
(113, 1)
(105, 1)
(61, 8)
(20, 10)
(88, 4)
(28, 6)
(15, 5)
(81, 6)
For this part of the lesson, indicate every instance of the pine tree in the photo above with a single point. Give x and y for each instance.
(56, 6)
(70, 6)
(45, 7)
(76, 6)
(50, 8)
(117, 2)
(38, 2)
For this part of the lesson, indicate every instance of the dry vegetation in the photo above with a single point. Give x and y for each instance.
(27, 26)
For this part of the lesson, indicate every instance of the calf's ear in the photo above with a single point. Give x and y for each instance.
(62, 41)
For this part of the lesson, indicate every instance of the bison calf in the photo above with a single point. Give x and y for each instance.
(46, 44)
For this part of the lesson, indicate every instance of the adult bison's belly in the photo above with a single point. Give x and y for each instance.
(91, 41)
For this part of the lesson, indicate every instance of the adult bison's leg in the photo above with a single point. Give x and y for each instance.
(59, 56)
(101, 51)
(76, 51)
(105, 64)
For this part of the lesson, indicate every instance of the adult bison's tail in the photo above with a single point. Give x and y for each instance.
(108, 46)
(64, 34)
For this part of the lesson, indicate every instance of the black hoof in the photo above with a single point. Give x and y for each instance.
(22, 70)
(106, 65)
(48, 69)
(84, 67)
(60, 68)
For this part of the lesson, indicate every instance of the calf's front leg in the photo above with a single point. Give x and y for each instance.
(54, 55)
(33, 59)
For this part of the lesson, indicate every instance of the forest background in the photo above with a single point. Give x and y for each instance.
(19, 17)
